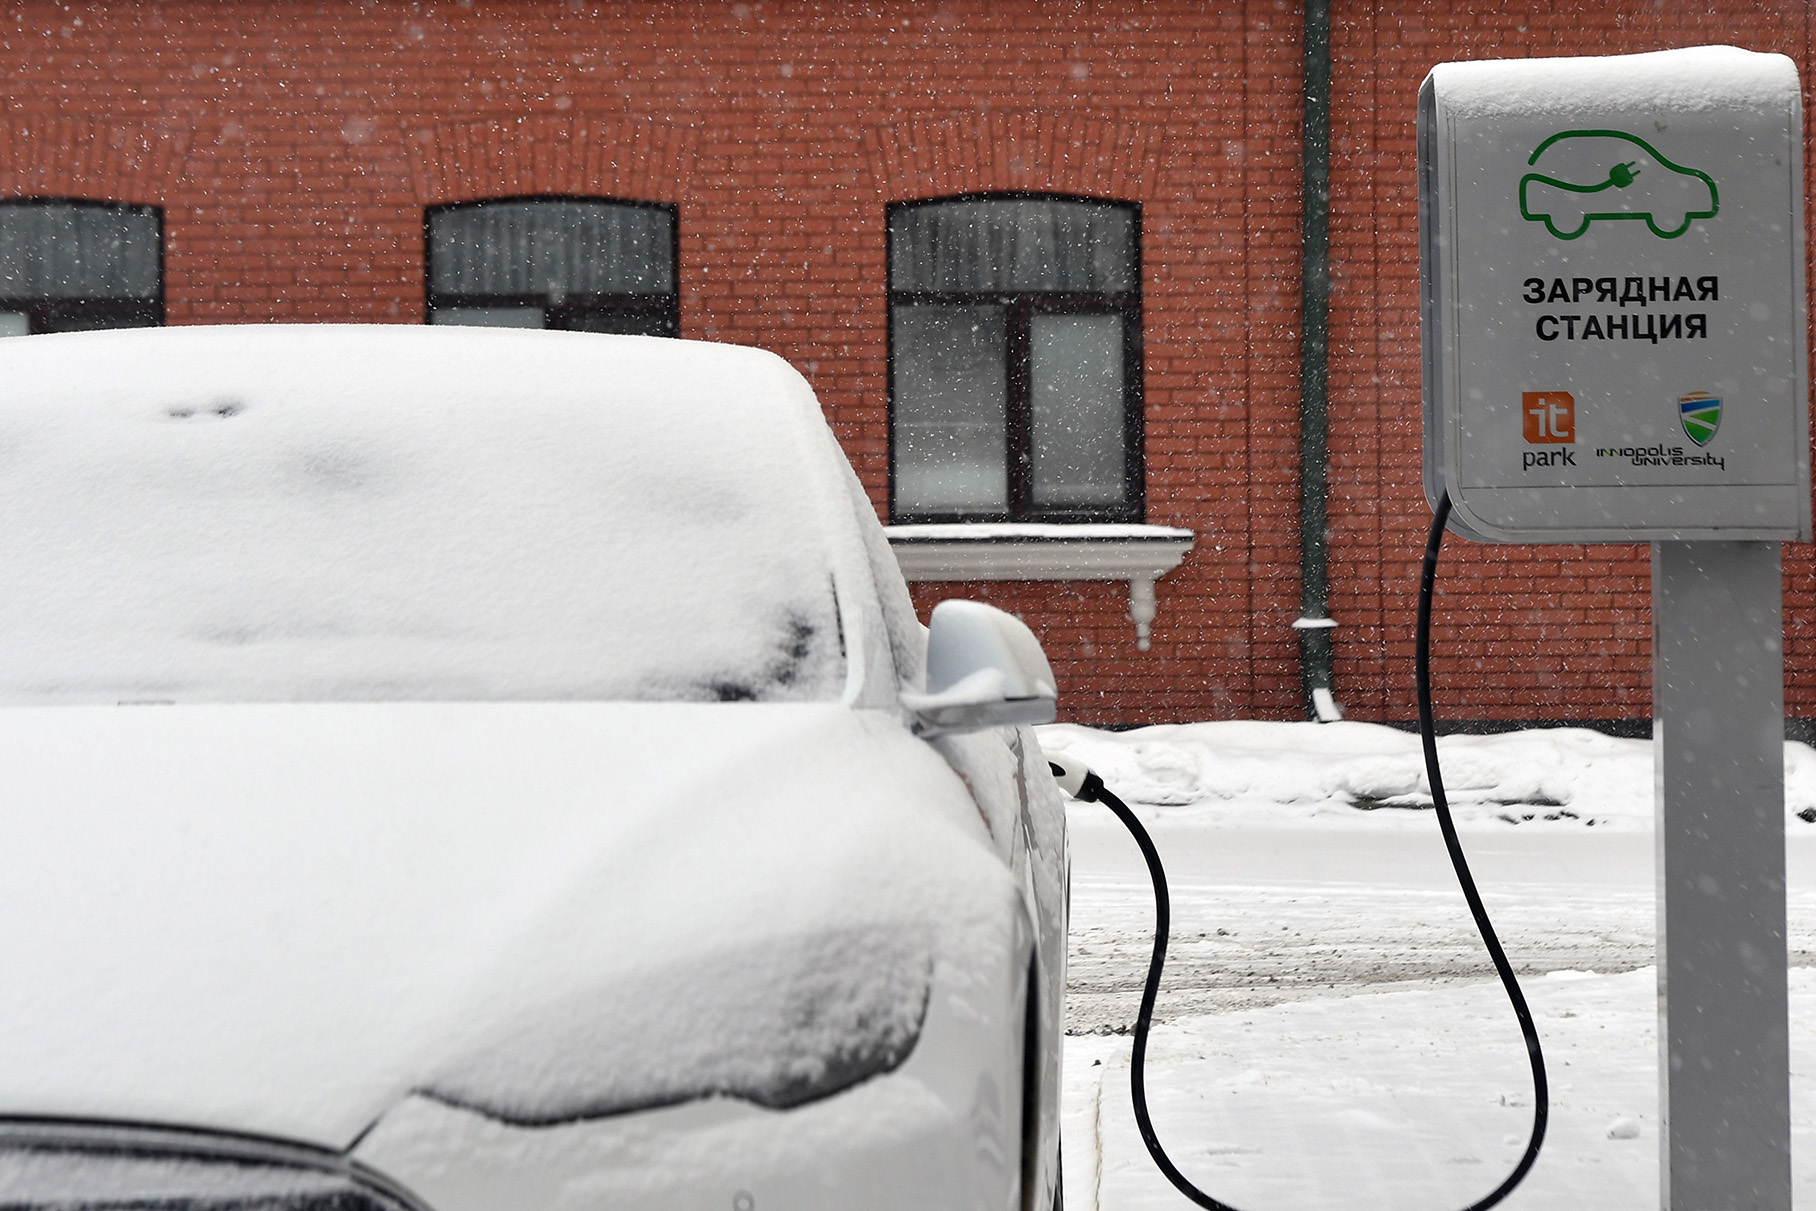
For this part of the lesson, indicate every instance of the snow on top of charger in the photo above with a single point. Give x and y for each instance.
(1694, 79)
(341, 512)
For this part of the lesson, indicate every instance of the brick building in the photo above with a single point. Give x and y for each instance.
(748, 166)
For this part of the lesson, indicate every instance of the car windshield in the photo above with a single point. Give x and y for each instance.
(319, 514)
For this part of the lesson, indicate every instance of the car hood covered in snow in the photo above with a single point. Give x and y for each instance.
(283, 919)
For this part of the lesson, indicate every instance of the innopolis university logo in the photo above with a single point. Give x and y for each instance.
(1700, 414)
(1586, 176)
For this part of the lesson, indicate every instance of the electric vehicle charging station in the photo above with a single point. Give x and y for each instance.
(1615, 347)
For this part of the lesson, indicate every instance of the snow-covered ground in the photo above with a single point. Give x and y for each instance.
(1330, 1031)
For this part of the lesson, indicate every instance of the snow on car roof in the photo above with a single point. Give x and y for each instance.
(331, 512)
(1693, 78)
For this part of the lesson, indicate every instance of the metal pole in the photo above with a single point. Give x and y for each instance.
(1718, 757)
(1314, 626)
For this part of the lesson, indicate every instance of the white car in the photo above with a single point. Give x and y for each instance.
(455, 769)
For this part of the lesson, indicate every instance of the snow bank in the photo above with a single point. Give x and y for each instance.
(337, 512)
(1248, 772)
(1694, 79)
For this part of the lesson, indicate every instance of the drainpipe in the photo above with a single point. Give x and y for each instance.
(1315, 624)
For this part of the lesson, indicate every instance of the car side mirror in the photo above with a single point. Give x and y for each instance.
(985, 669)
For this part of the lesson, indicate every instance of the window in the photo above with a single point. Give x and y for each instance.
(578, 263)
(1015, 360)
(69, 266)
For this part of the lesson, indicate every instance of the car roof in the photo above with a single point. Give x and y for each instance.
(198, 362)
(305, 512)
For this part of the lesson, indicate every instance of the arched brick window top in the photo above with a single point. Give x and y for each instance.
(69, 264)
(1067, 152)
(1015, 359)
(590, 264)
(573, 155)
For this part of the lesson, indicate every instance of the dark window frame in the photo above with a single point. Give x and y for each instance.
(46, 314)
(664, 308)
(1020, 306)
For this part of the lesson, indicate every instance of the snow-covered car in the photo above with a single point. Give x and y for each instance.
(446, 769)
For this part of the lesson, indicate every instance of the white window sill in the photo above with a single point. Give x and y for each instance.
(1140, 555)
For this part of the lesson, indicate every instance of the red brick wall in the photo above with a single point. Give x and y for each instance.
(295, 145)
(1519, 632)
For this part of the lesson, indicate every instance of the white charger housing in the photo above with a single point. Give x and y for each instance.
(1612, 270)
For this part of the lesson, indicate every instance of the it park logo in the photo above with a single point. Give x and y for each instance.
(1547, 418)
(1700, 414)
(1581, 177)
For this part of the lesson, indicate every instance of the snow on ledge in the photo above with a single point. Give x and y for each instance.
(989, 531)
(1138, 554)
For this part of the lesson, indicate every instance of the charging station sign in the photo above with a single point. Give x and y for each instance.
(1613, 293)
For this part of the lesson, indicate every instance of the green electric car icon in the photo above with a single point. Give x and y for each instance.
(1586, 175)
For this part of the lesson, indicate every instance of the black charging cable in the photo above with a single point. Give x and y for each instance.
(1083, 784)
(1428, 737)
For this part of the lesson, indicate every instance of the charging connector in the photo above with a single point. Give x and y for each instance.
(1079, 782)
